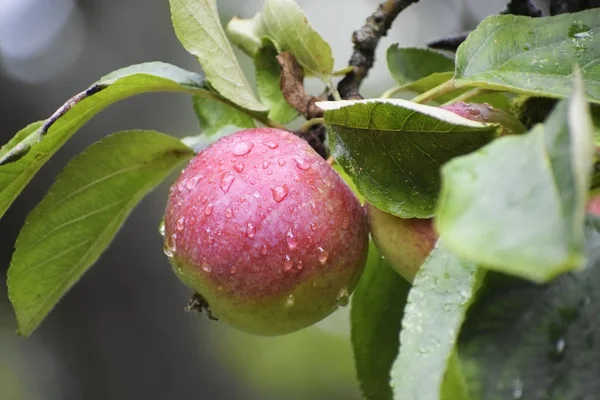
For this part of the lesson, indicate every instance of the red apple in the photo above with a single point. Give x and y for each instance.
(266, 232)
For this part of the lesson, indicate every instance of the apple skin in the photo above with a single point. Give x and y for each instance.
(266, 232)
(404, 242)
(486, 113)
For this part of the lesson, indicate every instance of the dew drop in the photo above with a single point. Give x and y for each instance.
(193, 182)
(323, 255)
(206, 267)
(269, 172)
(272, 145)
(264, 249)
(181, 223)
(239, 167)
(291, 239)
(302, 164)
(161, 228)
(300, 266)
(250, 230)
(242, 148)
(233, 269)
(473, 111)
(343, 297)
(281, 162)
(181, 185)
(226, 181)
(279, 192)
(204, 200)
(288, 263)
(192, 221)
(265, 164)
(313, 227)
(228, 212)
(290, 301)
(256, 195)
(170, 245)
(208, 209)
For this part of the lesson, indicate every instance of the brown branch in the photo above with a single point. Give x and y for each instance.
(292, 87)
(365, 42)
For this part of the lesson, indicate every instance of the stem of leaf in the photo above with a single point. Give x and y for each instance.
(391, 92)
(437, 91)
(468, 95)
(310, 123)
(260, 117)
(343, 71)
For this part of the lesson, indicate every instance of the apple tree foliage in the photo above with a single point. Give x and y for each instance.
(508, 303)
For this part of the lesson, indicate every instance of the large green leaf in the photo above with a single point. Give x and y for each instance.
(393, 149)
(411, 64)
(437, 303)
(130, 81)
(518, 204)
(66, 233)
(268, 77)
(199, 29)
(533, 55)
(376, 314)
(287, 25)
(534, 342)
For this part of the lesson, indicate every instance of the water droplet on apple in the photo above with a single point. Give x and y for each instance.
(290, 301)
(228, 212)
(208, 209)
(193, 182)
(242, 148)
(323, 255)
(342, 298)
(226, 181)
(302, 164)
(291, 239)
(265, 164)
(288, 263)
(181, 223)
(161, 228)
(272, 145)
(264, 249)
(281, 162)
(250, 230)
(239, 167)
(279, 192)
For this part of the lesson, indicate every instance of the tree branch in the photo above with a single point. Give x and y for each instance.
(365, 42)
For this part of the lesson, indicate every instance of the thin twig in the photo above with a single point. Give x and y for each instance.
(365, 42)
(23, 146)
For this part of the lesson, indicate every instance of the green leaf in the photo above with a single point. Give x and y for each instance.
(130, 81)
(411, 64)
(437, 303)
(376, 314)
(268, 76)
(393, 149)
(246, 33)
(526, 341)
(533, 55)
(518, 204)
(288, 27)
(70, 228)
(215, 117)
(198, 28)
